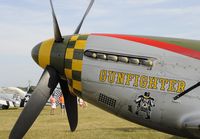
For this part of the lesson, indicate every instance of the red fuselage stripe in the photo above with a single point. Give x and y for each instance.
(163, 45)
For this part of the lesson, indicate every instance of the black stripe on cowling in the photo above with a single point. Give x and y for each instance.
(57, 56)
(57, 59)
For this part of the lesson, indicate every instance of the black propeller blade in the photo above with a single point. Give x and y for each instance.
(57, 33)
(70, 104)
(86, 13)
(41, 94)
(45, 88)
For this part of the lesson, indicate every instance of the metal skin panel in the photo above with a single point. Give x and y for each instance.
(166, 115)
(173, 45)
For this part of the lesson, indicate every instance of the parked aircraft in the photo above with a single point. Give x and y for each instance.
(11, 97)
(152, 81)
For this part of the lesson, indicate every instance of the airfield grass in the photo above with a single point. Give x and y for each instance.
(93, 124)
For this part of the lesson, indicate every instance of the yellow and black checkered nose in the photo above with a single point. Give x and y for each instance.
(41, 53)
(74, 62)
(65, 57)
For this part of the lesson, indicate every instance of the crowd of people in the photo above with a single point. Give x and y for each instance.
(53, 100)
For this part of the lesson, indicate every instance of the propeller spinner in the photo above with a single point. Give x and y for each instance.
(47, 83)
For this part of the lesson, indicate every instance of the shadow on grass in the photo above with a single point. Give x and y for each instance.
(125, 130)
(131, 129)
(10, 109)
(117, 129)
(175, 137)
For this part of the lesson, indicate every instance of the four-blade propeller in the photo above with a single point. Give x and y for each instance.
(45, 87)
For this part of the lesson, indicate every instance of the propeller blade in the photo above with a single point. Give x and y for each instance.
(70, 105)
(86, 13)
(57, 33)
(40, 96)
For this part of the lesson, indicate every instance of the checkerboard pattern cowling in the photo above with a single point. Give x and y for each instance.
(74, 62)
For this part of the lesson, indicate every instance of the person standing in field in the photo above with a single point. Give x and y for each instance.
(82, 103)
(53, 105)
(62, 104)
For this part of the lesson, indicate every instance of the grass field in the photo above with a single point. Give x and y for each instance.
(93, 124)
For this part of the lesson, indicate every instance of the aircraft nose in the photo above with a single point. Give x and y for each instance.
(41, 53)
(35, 53)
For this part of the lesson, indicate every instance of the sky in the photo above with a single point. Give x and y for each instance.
(25, 23)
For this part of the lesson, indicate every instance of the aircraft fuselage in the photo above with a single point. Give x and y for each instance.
(133, 77)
